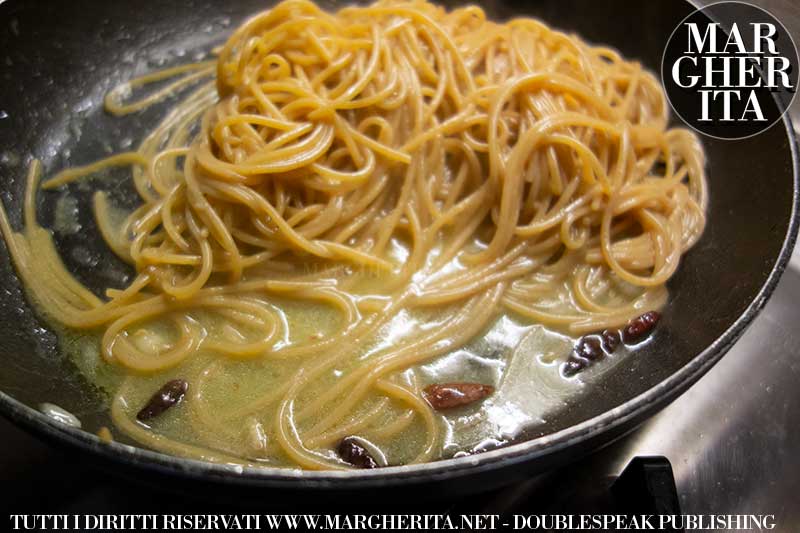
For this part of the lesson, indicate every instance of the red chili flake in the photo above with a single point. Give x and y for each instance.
(638, 328)
(449, 395)
(589, 347)
(611, 340)
(170, 394)
(351, 451)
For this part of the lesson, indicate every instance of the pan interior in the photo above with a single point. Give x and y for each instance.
(58, 60)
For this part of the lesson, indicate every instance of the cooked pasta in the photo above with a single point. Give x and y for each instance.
(328, 173)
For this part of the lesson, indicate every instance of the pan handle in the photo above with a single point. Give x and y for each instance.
(647, 487)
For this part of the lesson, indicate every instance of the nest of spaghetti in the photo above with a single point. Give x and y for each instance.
(382, 159)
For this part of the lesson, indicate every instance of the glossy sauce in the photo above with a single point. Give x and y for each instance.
(521, 361)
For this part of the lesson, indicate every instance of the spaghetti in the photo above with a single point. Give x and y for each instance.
(387, 160)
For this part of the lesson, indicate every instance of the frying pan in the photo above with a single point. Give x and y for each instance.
(57, 59)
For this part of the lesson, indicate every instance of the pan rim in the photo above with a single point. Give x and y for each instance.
(652, 399)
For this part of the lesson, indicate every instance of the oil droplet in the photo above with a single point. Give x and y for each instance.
(84, 257)
(60, 414)
(66, 215)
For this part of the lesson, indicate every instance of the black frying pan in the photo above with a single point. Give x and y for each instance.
(57, 59)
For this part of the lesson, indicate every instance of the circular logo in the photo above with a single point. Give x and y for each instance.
(730, 70)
